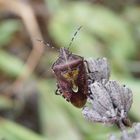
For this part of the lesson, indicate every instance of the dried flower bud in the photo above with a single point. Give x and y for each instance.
(102, 109)
(98, 70)
(121, 96)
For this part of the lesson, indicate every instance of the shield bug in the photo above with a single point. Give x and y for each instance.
(70, 72)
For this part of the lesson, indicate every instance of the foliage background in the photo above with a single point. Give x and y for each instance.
(29, 109)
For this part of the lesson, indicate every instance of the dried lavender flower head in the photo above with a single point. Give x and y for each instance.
(109, 101)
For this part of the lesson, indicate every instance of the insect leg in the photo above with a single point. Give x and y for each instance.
(58, 91)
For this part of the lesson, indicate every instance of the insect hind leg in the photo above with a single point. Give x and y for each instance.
(57, 92)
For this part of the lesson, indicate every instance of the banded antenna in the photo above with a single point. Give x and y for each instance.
(74, 36)
(45, 43)
(48, 45)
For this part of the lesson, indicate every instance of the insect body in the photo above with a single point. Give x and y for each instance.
(71, 76)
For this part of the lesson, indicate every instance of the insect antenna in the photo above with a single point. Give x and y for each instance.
(45, 43)
(74, 37)
(70, 44)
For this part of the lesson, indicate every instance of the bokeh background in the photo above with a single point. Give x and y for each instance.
(29, 109)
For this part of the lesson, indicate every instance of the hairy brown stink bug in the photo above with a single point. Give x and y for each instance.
(70, 72)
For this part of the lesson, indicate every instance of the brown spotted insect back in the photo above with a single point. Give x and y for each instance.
(70, 72)
(71, 76)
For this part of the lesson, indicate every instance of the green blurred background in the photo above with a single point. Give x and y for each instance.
(29, 109)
